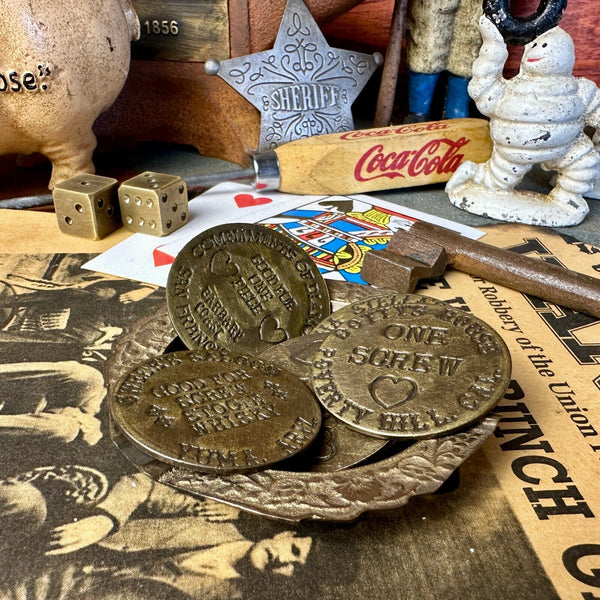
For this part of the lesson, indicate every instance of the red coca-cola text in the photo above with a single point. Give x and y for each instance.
(436, 156)
(401, 130)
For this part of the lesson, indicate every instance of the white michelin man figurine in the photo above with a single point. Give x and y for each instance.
(537, 117)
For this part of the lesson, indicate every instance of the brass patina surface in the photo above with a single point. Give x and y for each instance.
(215, 411)
(185, 30)
(340, 496)
(396, 367)
(293, 496)
(378, 299)
(337, 446)
(346, 292)
(244, 287)
(296, 355)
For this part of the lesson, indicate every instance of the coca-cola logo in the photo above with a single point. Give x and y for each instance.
(436, 156)
(401, 130)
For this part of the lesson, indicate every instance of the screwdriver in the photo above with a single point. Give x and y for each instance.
(351, 162)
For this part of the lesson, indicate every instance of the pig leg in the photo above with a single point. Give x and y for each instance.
(71, 155)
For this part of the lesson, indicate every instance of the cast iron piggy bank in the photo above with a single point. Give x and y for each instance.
(61, 65)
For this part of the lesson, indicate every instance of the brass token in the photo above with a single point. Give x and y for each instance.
(215, 411)
(346, 292)
(395, 369)
(342, 496)
(373, 300)
(244, 287)
(337, 446)
(296, 355)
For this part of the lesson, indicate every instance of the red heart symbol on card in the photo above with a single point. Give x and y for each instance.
(245, 200)
(161, 258)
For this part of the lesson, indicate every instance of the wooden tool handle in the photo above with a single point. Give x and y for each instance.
(380, 159)
(518, 272)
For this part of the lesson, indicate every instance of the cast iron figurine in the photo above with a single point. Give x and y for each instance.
(537, 117)
(61, 65)
(442, 36)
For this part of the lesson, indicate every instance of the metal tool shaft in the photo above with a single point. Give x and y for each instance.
(25, 202)
(198, 183)
(391, 67)
(545, 280)
(195, 185)
(355, 162)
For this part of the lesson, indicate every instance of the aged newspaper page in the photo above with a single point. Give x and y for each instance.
(518, 520)
(546, 450)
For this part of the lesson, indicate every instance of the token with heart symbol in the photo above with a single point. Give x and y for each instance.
(271, 331)
(390, 391)
(222, 264)
(244, 287)
(407, 366)
(337, 446)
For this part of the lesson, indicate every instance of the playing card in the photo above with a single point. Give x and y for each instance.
(338, 231)
(335, 230)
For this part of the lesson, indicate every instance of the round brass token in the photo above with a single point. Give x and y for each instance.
(215, 411)
(374, 300)
(337, 446)
(394, 369)
(244, 287)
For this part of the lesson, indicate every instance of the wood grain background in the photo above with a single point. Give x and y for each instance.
(366, 27)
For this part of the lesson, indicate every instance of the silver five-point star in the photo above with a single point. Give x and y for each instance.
(301, 87)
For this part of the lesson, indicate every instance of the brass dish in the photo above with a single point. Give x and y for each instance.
(340, 496)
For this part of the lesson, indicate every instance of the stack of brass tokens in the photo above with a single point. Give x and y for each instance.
(265, 356)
